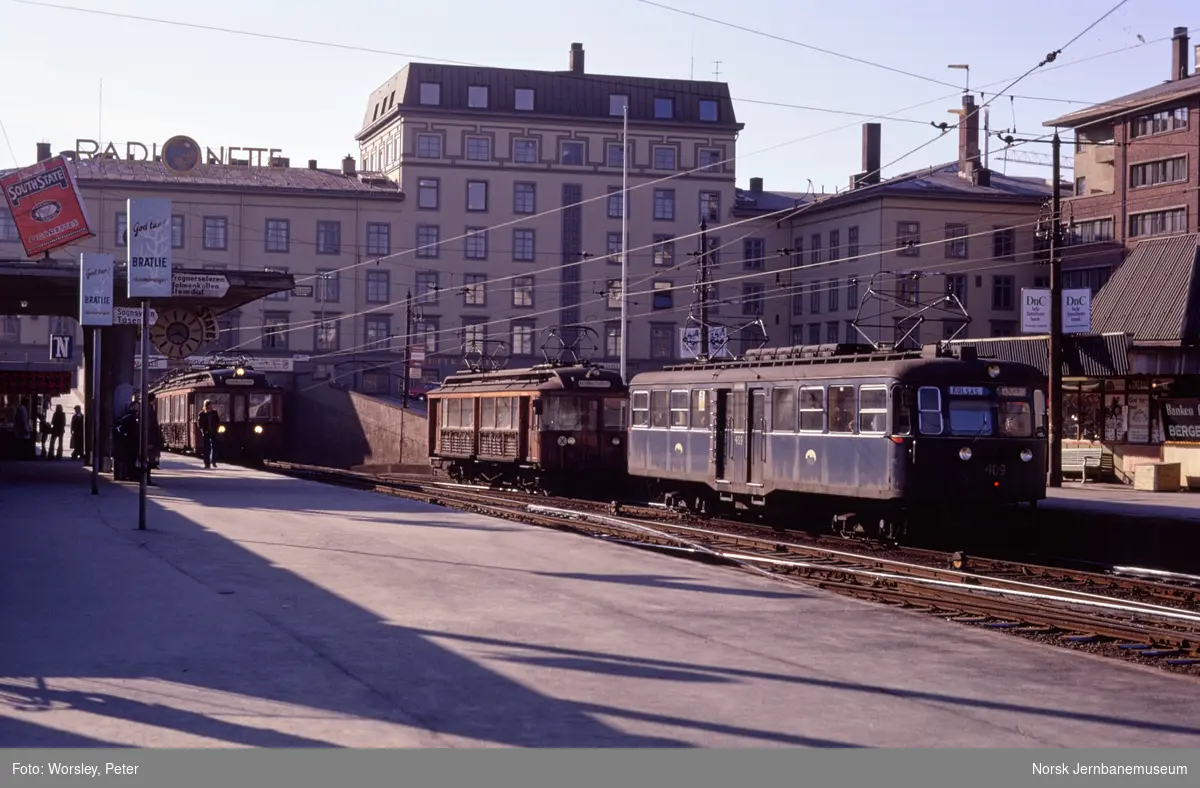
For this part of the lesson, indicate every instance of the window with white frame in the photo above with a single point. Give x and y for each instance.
(475, 290)
(612, 293)
(477, 243)
(379, 238)
(177, 231)
(474, 337)
(524, 198)
(664, 157)
(479, 149)
(573, 153)
(428, 236)
(477, 197)
(429, 146)
(956, 242)
(872, 409)
(216, 233)
(378, 331)
(908, 239)
(525, 151)
(378, 287)
(615, 202)
(329, 237)
(275, 331)
(612, 339)
(427, 193)
(710, 206)
(664, 250)
(522, 292)
(754, 253)
(426, 333)
(709, 159)
(328, 286)
(522, 339)
(613, 249)
(664, 205)
(613, 154)
(326, 332)
(426, 287)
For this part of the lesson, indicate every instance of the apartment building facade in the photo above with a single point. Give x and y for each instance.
(515, 216)
(1137, 170)
(318, 224)
(863, 263)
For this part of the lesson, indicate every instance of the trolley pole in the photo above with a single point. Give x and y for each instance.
(1056, 327)
(407, 344)
(703, 289)
(144, 417)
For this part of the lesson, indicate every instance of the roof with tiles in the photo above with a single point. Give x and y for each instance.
(1155, 294)
(1084, 355)
(571, 94)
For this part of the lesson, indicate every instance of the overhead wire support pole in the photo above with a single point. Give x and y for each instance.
(1056, 326)
(624, 241)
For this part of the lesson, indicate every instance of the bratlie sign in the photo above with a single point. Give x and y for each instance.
(1181, 419)
(46, 206)
(149, 247)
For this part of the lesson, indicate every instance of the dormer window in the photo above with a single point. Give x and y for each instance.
(708, 110)
(664, 108)
(477, 96)
(431, 93)
(523, 99)
(617, 103)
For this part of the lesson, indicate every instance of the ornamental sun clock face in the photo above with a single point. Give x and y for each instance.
(177, 333)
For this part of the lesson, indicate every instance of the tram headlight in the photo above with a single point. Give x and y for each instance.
(1026, 455)
(571, 441)
(221, 428)
(993, 370)
(239, 372)
(258, 429)
(964, 453)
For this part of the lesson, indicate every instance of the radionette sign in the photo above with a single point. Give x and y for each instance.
(187, 150)
(46, 206)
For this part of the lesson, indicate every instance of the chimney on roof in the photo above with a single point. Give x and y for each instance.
(43, 151)
(1179, 54)
(312, 164)
(576, 58)
(968, 139)
(756, 185)
(871, 157)
(348, 165)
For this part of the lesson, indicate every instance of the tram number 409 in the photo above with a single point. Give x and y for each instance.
(995, 469)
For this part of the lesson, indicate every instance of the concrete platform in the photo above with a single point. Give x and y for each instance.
(1123, 501)
(265, 611)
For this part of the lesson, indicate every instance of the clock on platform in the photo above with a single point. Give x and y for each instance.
(177, 333)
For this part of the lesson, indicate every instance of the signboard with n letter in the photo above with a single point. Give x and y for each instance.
(149, 223)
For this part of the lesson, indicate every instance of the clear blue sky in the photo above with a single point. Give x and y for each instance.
(308, 100)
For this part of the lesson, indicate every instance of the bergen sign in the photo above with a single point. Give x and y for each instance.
(46, 206)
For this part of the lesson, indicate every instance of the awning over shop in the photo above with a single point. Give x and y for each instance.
(1084, 355)
(19, 381)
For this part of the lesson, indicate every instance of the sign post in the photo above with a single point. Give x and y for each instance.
(149, 276)
(95, 310)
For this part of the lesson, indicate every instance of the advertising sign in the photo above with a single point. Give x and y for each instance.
(1180, 419)
(1035, 311)
(95, 289)
(689, 342)
(46, 206)
(1077, 311)
(149, 233)
(199, 285)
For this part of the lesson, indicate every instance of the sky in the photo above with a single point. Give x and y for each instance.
(74, 74)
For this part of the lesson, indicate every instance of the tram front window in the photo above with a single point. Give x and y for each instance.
(561, 414)
(972, 418)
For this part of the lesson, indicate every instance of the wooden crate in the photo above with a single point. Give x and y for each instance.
(1158, 476)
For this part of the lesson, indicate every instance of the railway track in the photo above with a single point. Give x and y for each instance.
(1134, 613)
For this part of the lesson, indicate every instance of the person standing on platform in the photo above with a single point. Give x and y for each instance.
(208, 422)
(58, 427)
(77, 433)
(125, 445)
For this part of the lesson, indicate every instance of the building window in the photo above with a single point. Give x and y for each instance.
(120, 230)
(615, 202)
(475, 290)
(710, 206)
(798, 299)
(797, 251)
(814, 333)
(376, 383)
(1160, 122)
(479, 149)
(752, 299)
(664, 108)
(831, 332)
(378, 332)
(617, 103)
(523, 99)
(431, 93)
(522, 339)
(852, 292)
(1156, 173)
(524, 198)
(274, 331)
(1080, 186)
(664, 250)
(662, 345)
(1091, 278)
(797, 335)
(612, 293)
(522, 294)
(8, 226)
(956, 285)
(835, 242)
(427, 193)
(216, 232)
(278, 235)
(1002, 292)
(177, 234)
(834, 288)
(613, 249)
(1158, 223)
(525, 151)
(477, 96)
(429, 146)
(523, 248)
(329, 237)
(664, 205)
(852, 243)
(714, 250)
(908, 236)
(1091, 231)
(709, 159)
(956, 242)
(910, 291)
(378, 287)
(612, 339)
(379, 238)
(572, 153)
(814, 298)
(664, 157)
(281, 295)
(428, 236)
(1004, 328)
(814, 254)
(708, 111)
(326, 333)
(663, 297)
(477, 195)
(477, 243)
(10, 329)
(1004, 242)
(474, 337)
(426, 333)
(426, 287)
(328, 286)
(754, 253)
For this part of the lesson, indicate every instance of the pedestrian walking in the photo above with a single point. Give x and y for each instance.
(77, 433)
(208, 422)
(58, 427)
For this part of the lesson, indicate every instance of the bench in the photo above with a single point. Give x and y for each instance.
(1080, 460)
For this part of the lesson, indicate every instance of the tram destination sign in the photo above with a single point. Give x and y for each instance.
(1181, 419)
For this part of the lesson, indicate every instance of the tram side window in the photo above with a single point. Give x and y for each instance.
(641, 409)
(504, 413)
(658, 409)
(680, 407)
(841, 408)
(872, 409)
(700, 415)
(450, 411)
(812, 410)
(487, 413)
(614, 413)
(901, 410)
(783, 410)
(929, 410)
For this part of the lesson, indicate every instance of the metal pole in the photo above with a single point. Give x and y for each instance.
(94, 410)
(1056, 328)
(624, 239)
(407, 343)
(704, 288)
(143, 426)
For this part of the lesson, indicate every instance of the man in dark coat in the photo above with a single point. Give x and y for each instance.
(125, 445)
(58, 427)
(208, 422)
(77, 433)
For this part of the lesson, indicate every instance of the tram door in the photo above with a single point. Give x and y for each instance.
(756, 437)
(721, 430)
